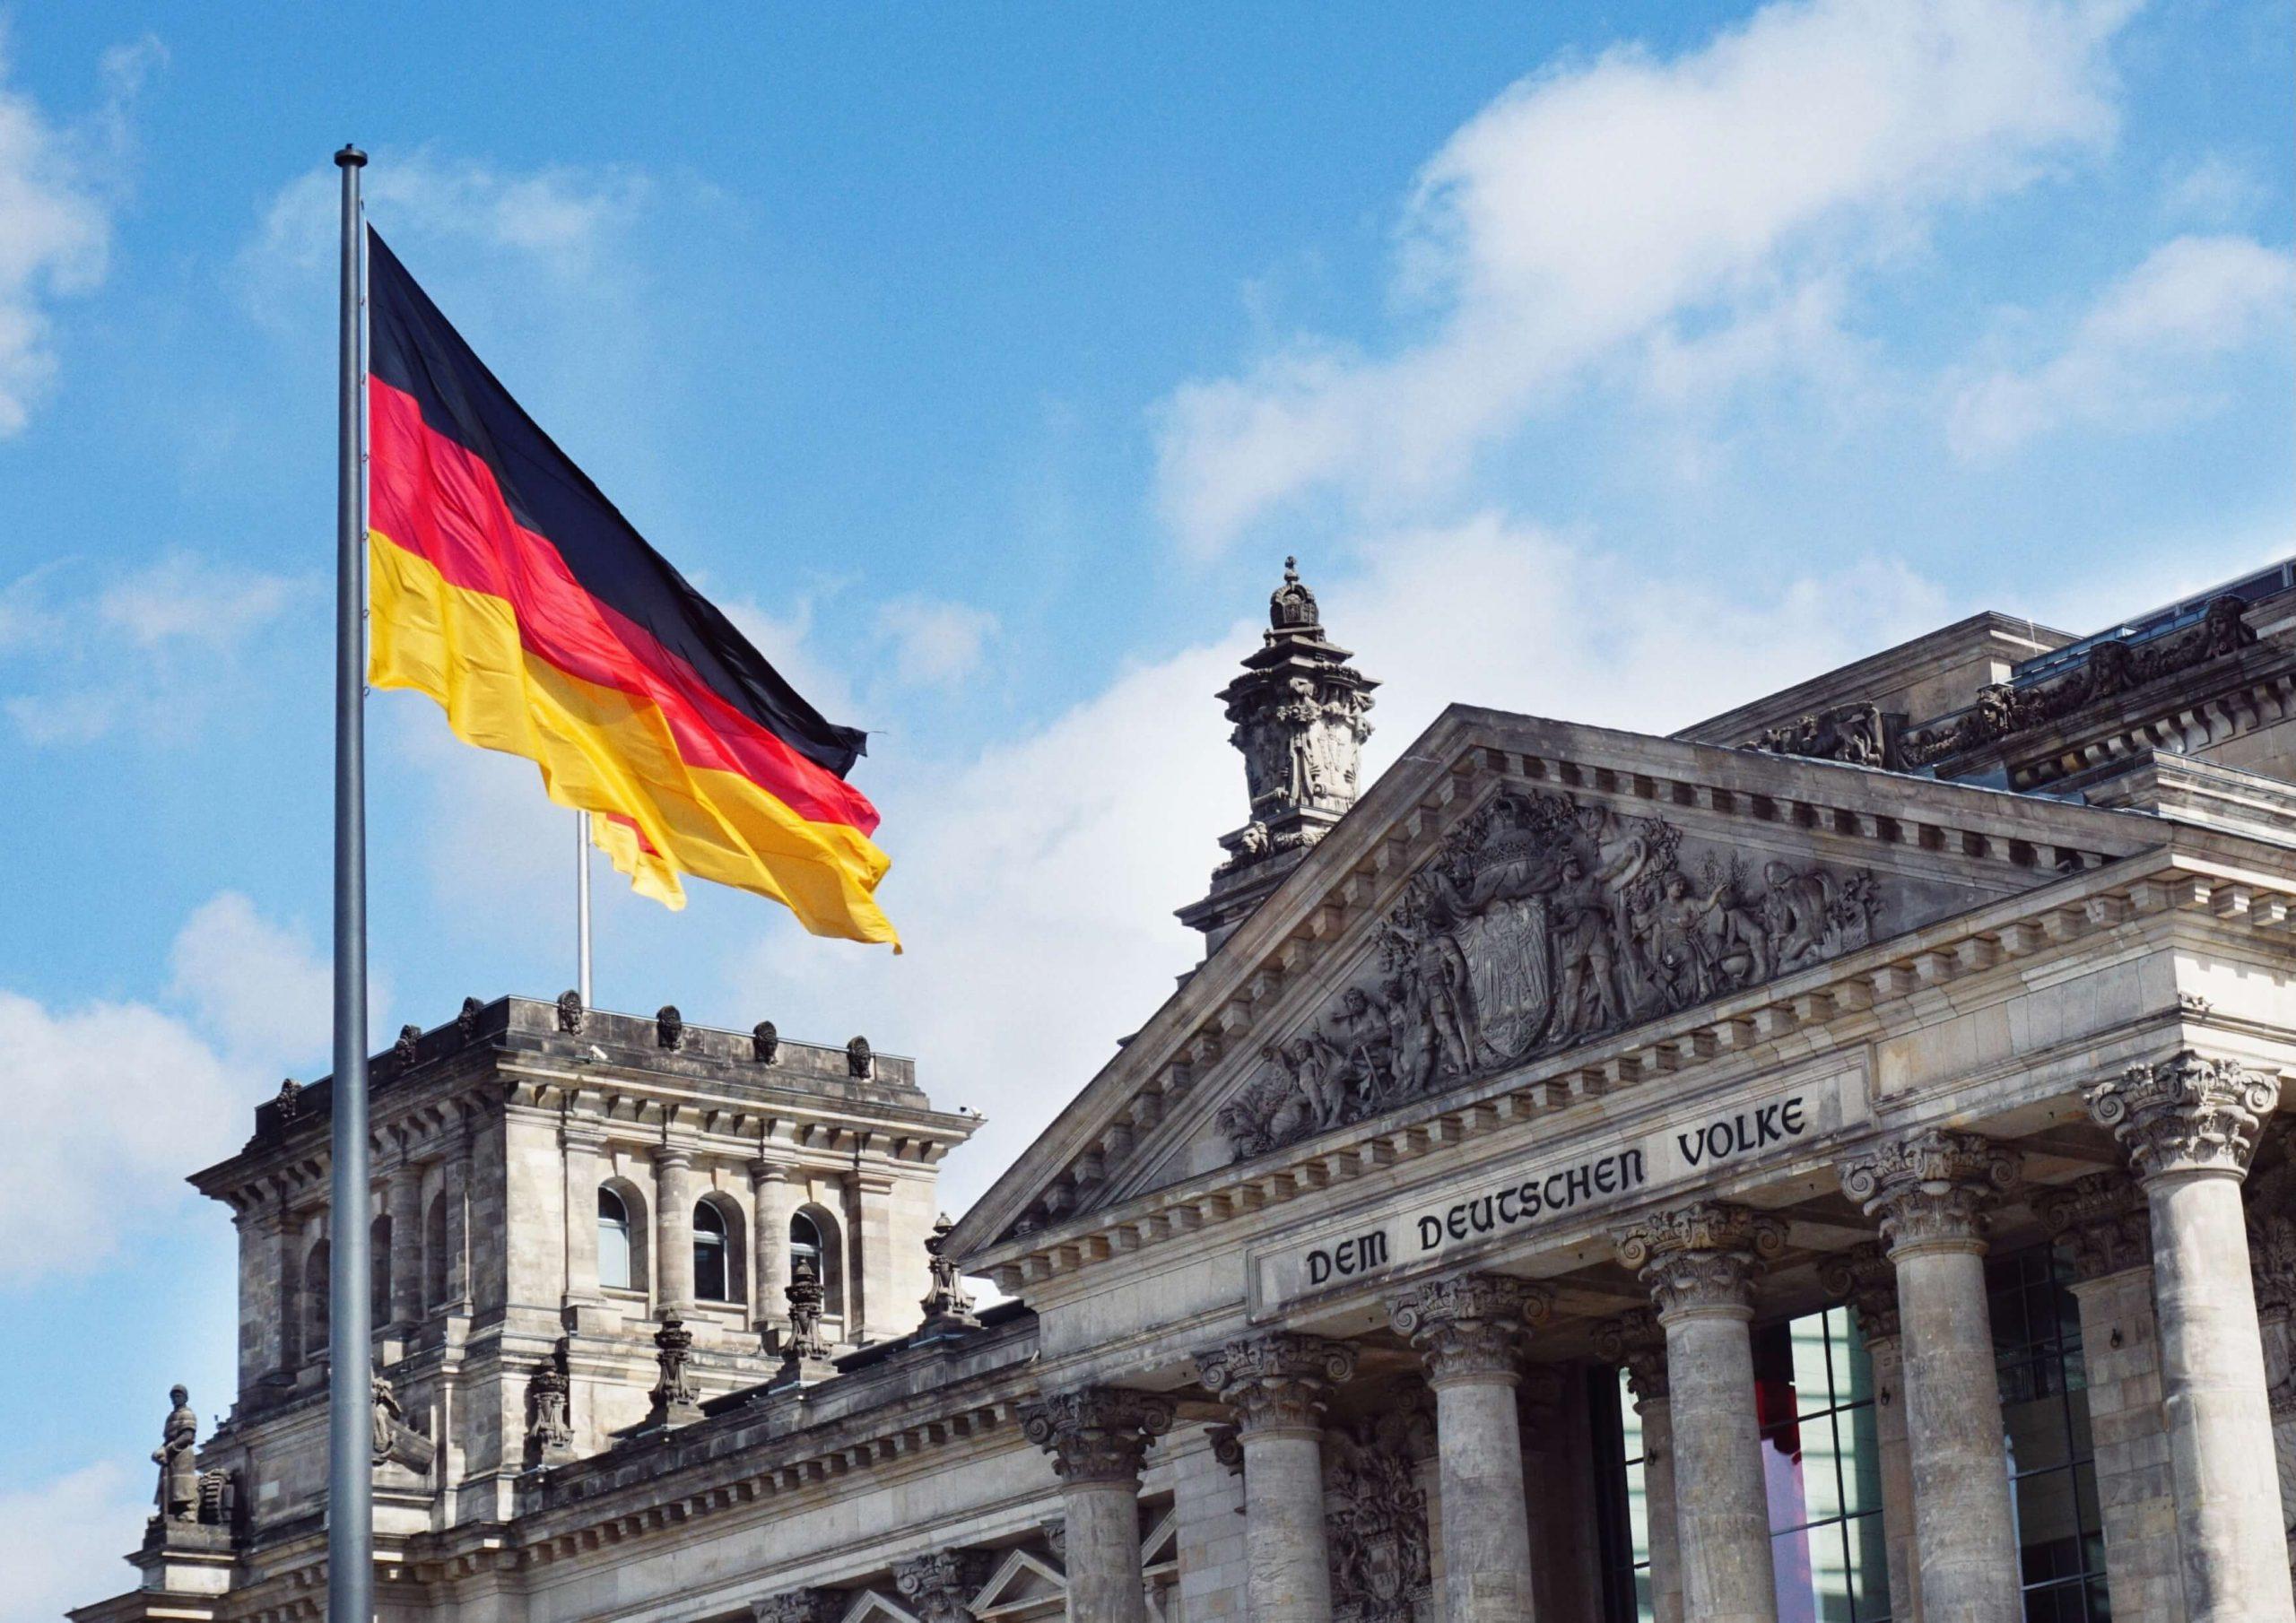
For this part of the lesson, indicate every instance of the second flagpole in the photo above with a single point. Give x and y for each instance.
(582, 906)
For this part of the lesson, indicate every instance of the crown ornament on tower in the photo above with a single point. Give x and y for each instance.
(1298, 712)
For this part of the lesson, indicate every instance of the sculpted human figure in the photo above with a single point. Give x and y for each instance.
(1369, 1044)
(1681, 956)
(1431, 946)
(1794, 915)
(1407, 1034)
(1586, 948)
(178, 1492)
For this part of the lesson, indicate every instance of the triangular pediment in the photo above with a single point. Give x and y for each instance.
(1022, 1586)
(1514, 890)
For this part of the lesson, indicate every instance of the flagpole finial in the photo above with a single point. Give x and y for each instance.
(350, 158)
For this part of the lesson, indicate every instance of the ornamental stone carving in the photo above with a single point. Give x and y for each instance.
(1097, 1434)
(2101, 1220)
(466, 1018)
(938, 1586)
(2272, 1241)
(1702, 1257)
(858, 1060)
(948, 1306)
(1861, 735)
(569, 1012)
(674, 1399)
(1635, 1341)
(805, 1352)
(1933, 1190)
(2108, 669)
(403, 1050)
(177, 1497)
(1864, 1278)
(1375, 1520)
(550, 1430)
(799, 1606)
(1540, 924)
(1276, 1382)
(2191, 1113)
(765, 1042)
(394, 1441)
(1472, 1326)
(289, 1101)
(669, 1027)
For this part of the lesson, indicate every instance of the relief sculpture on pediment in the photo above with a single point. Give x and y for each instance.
(1542, 923)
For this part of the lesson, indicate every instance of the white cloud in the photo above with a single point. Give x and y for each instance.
(2135, 359)
(2215, 190)
(934, 643)
(1592, 207)
(148, 649)
(111, 1103)
(1034, 883)
(56, 201)
(60, 1541)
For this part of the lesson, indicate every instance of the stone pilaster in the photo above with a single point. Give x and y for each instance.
(939, 1587)
(1933, 1191)
(772, 1200)
(674, 1199)
(1277, 1385)
(1472, 1332)
(1097, 1436)
(1700, 1262)
(2189, 1124)
(1635, 1341)
(2100, 1222)
(458, 1186)
(1864, 1278)
(581, 1142)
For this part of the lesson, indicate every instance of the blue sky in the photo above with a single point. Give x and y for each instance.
(1615, 361)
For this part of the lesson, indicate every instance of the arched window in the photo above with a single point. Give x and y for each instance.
(435, 1272)
(314, 1300)
(813, 1238)
(710, 1282)
(805, 1244)
(613, 1241)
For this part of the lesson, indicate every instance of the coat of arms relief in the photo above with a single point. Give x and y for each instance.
(1542, 922)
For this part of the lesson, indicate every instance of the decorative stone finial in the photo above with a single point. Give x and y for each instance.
(948, 1306)
(290, 1101)
(466, 1020)
(858, 1060)
(550, 1430)
(669, 1027)
(403, 1050)
(1299, 711)
(674, 1399)
(569, 1012)
(765, 1042)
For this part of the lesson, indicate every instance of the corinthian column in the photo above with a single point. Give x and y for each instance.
(1635, 1341)
(2189, 1125)
(1277, 1385)
(1864, 1278)
(1472, 1332)
(1097, 1435)
(1932, 1192)
(1700, 1264)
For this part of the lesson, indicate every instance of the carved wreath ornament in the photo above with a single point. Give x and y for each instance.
(1541, 924)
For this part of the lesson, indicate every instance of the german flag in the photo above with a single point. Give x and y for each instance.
(504, 586)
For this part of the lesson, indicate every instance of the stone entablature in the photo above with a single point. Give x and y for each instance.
(1875, 990)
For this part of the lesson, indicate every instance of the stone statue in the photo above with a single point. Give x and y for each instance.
(805, 1299)
(858, 1060)
(177, 1497)
(403, 1050)
(765, 1042)
(395, 1441)
(1541, 922)
(669, 1027)
(948, 1306)
(569, 1012)
(550, 1430)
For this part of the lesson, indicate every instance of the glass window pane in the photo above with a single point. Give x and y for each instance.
(1821, 1469)
(1813, 1386)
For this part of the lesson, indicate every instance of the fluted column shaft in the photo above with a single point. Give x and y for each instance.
(2189, 1125)
(1865, 1279)
(1932, 1192)
(1637, 1341)
(1097, 1436)
(1472, 1332)
(1700, 1264)
(1277, 1385)
(674, 1229)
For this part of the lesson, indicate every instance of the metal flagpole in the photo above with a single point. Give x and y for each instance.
(582, 905)
(350, 1499)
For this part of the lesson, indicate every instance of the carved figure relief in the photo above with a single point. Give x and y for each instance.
(1541, 924)
(1376, 1516)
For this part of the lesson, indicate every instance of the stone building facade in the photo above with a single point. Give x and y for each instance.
(1823, 1164)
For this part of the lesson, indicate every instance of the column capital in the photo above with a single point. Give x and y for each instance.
(669, 1155)
(938, 1586)
(2100, 1219)
(1864, 1277)
(1635, 1341)
(2190, 1114)
(1933, 1189)
(769, 1169)
(1278, 1381)
(1703, 1257)
(1097, 1434)
(1471, 1326)
(798, 1606)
